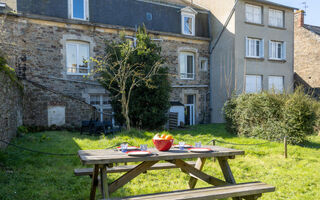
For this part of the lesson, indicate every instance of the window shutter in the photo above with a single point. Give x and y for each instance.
(182, 64)
(247, 47)
(284, 51)
(262, 48)
(270, 49)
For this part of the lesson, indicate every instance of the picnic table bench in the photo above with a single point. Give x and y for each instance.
(103, 161)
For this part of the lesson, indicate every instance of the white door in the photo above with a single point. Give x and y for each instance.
(56, 115)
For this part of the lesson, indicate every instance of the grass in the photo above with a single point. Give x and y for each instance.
(25, 175)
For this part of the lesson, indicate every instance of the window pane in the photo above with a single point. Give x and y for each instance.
(186, 65)
(253, 84)
(276, 18)
(83, 58)
(253, 14)
(254, 47)
(190, 64)
(276, 84)
(94, 99)
(105, 100)
(188, 25)
(72, 58)
(78, 9)
(190, 99)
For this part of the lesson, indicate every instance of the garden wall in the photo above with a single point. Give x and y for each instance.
(10, 108)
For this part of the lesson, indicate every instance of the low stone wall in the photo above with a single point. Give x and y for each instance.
(10, 108)
(45, 107)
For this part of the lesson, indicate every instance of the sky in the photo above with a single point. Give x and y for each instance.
(313, 10)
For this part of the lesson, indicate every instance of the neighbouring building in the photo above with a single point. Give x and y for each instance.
(47, 41)
(254, 53)
(307, 54)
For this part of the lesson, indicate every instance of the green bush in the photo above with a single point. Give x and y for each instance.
(271, 116)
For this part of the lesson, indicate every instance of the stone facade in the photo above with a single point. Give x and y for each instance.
(10, 108)
(307, 52)
(42, 42)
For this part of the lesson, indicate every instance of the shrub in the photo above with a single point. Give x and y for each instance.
(271, 116)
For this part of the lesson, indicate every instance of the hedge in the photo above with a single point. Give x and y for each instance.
(272, 116)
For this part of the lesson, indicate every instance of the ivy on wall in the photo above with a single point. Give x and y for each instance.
(10, 72)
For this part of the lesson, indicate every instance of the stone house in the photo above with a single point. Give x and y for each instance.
(254, 53)
(47, 40)
(306, 54)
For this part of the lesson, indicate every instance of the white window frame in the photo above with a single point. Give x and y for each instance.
(253, 53)
(273, 50)
(273, 18)
(77, 43)
(183, 15)
(258, 86)
(271, 85)
(253, 20)
(202, 59)
(85, 10)
(100, 107)
(183, 62)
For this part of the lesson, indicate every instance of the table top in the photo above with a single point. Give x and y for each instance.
(108, 156)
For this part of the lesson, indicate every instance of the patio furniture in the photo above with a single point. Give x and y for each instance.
(86, 126)
(103, 161)
(126, 168)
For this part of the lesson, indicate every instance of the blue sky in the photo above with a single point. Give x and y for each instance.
(313, 10)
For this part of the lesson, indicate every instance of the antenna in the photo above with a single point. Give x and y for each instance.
(305, 7)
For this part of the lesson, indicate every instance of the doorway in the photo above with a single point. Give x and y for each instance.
(190, 110)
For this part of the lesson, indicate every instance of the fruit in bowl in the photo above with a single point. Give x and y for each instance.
(163, 142)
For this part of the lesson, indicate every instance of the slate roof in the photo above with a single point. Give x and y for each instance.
(179, 3)
(314, 29)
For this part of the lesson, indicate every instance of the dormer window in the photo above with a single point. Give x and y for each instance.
(79, 9)
(188, 16)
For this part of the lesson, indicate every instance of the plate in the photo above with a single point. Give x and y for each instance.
(130, 148)
(139, 153)
(185, 146)
(200, 150)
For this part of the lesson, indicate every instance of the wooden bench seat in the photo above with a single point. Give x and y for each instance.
(247, 191)
(126, 168)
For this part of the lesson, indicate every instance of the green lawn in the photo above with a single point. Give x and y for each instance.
(25, 175)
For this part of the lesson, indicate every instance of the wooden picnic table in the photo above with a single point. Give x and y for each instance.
(103, 159)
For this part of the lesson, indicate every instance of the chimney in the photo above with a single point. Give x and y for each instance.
(300, 17)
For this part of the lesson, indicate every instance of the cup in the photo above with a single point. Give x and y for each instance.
(124, 147)
(181, 145)
(198, 145)
(143, 147)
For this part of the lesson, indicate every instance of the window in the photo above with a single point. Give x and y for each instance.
(203, 64)
(77, 57)
(276, 84)
(276, 18)
(277, 50)
(101, 102)
(188, 25)
(254, 14)
(253, 83)
(254, 48)
(186, 65)
(79, 9)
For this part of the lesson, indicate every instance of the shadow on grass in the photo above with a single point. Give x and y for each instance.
(214, 130)
(311, 145)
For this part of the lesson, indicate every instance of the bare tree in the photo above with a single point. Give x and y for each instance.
(119, 74)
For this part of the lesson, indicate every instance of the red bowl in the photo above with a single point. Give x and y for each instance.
(162, 145)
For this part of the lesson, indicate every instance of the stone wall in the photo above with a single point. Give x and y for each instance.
(40, 100)
(37, 47)
(10, 108)
(306, 53)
